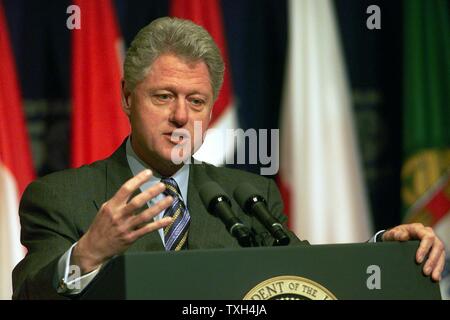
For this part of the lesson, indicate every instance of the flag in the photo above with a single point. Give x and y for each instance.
(16, 168)
(426, 115)
(320, 172)
(98, 122)
(208, 14)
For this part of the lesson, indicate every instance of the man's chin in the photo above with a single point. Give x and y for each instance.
(177, 155)
(179, 159)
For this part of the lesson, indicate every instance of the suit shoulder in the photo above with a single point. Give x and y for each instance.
(225, 173)
(72, 177)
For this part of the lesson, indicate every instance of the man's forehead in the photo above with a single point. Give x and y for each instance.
(168, 60)
(170, 71)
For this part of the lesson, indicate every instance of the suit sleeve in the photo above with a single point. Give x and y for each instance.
(47, 232)
(275, 206)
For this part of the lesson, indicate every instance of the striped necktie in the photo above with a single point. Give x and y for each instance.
(176, 233)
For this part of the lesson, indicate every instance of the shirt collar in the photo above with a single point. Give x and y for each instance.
(137, 165)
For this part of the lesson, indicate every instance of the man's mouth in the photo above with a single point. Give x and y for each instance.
(176, 138)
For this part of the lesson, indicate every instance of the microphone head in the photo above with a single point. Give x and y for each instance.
(245, 192)
(209, 193)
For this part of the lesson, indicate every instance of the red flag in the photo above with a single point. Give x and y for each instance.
(208, 14)
(16, 167)
(14, 145)
(98, 123)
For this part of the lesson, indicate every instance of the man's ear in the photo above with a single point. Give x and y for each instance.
(126, 99)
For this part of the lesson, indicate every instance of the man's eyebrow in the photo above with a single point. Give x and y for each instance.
(200, 93)
(166, 88)
(172, 89)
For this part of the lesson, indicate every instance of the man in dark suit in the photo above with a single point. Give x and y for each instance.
(143, 198)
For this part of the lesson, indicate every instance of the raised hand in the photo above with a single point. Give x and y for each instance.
(116, 226)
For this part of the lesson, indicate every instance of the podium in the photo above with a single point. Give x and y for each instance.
(340, 271)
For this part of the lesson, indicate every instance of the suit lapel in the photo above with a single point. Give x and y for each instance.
(206, 230)
(198, 226)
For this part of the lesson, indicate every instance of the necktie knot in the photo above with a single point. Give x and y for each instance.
(171, 188)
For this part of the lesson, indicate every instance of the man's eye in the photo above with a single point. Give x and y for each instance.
(197, 102)
(163, 96)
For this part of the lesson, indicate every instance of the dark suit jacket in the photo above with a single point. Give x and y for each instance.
(56, 210)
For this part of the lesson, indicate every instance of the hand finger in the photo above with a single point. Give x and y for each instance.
(396, 234)
(428, 239)
(127, 189)
(418, 231)
(150, 227)
(433, 258)
(145, 216)
(141, 199)
(424, 248)
(436, 275)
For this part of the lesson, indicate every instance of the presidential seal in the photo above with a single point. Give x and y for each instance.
(289, 288)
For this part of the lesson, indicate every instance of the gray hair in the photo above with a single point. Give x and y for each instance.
(177, 36)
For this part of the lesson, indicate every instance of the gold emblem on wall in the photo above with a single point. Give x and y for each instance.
(425, 177)
(421, 171)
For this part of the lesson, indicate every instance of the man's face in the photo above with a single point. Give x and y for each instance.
(174, 95)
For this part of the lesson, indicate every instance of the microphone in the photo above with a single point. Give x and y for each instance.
(218, 203)
(254, 204)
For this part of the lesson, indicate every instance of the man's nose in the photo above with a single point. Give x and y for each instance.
(179, 114)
